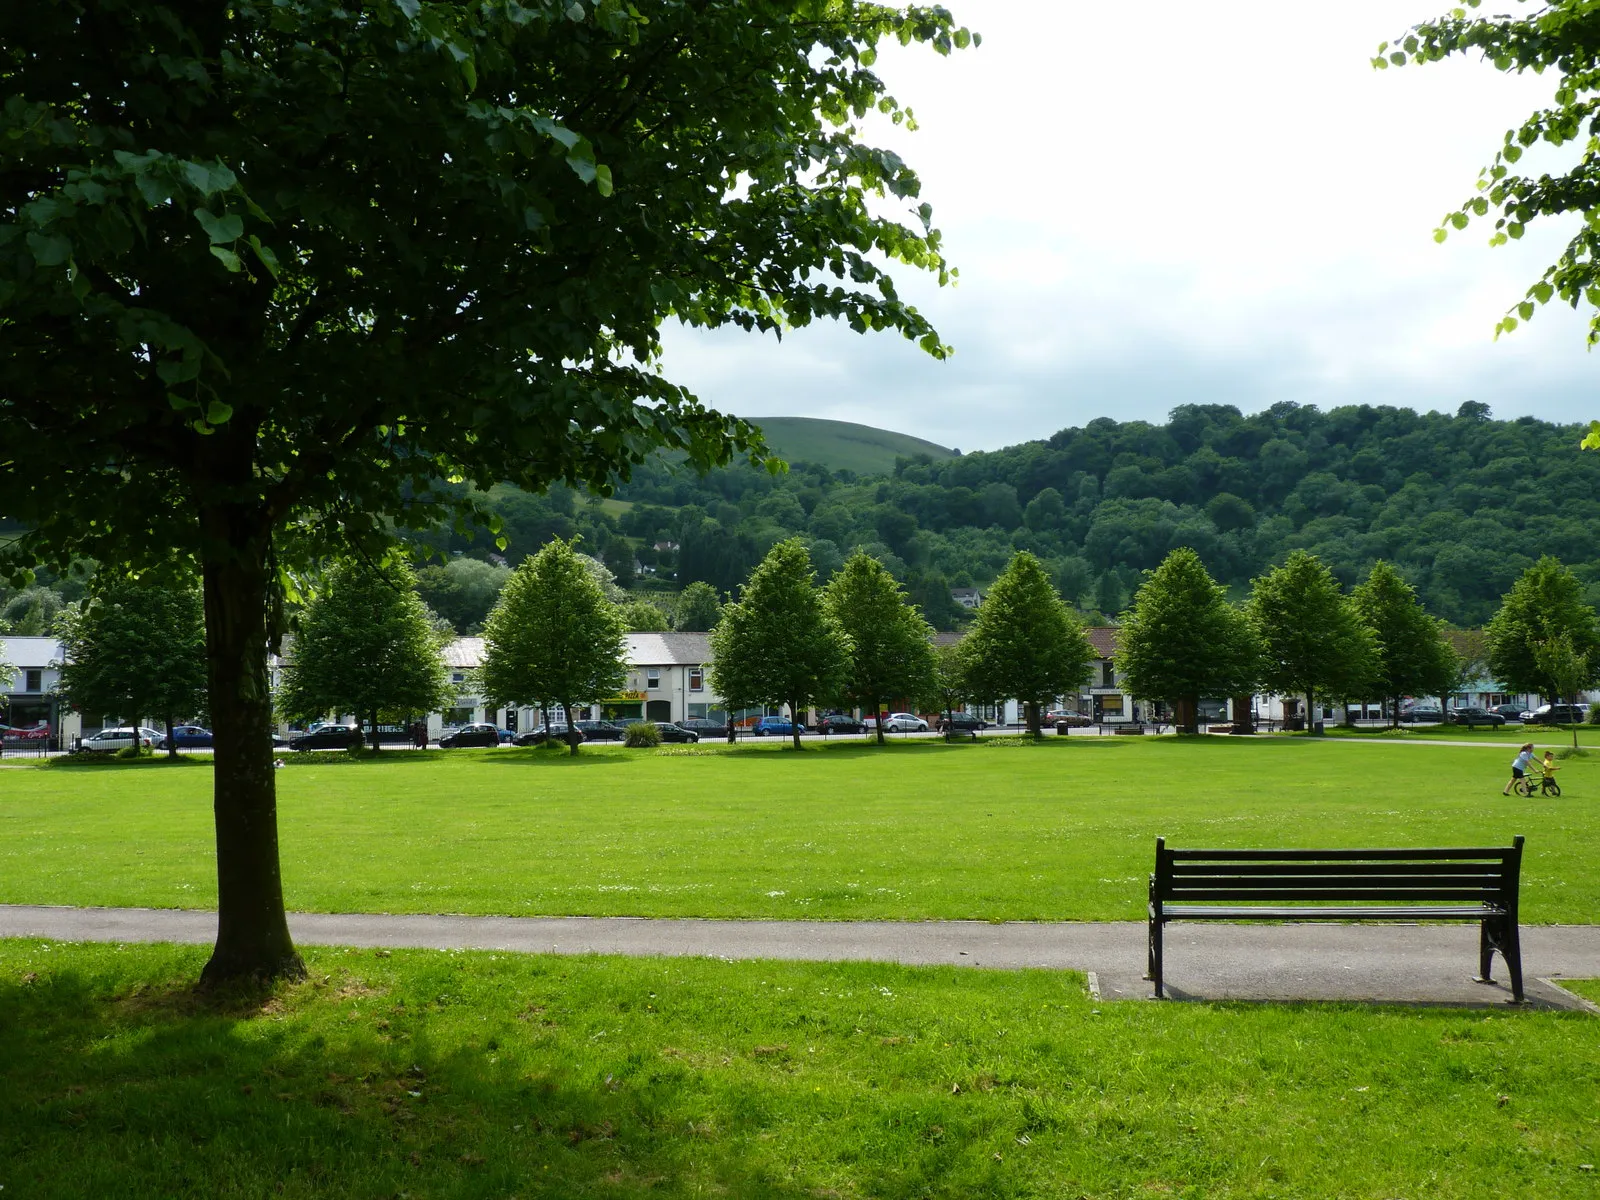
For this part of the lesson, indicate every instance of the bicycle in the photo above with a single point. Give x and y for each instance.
(1545, 785)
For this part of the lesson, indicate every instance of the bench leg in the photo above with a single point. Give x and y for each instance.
(1486, 942)
(1501, 934)
(1154, 974)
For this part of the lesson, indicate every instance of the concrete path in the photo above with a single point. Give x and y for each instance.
(1400, 964)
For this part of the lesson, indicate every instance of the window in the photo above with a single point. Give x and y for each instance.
(1111, 704)
(33, 680)
(697, 679)
(458, 677)
(1108, 675)
(652, 678)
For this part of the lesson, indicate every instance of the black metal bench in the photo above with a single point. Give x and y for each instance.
(1439, 884)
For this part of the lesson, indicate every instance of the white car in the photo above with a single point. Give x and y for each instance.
(904, 723)
(121, 739)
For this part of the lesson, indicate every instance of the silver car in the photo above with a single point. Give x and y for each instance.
(121, 739)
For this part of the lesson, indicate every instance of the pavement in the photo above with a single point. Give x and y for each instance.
(1388, 964)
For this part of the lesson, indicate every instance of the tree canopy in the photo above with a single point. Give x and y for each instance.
(365, 645)
(1411, 655)
(1546, 603)
(1025, 643)
(890, 645)
(1313, 643)
(698, 609)
(269, 274)
(554, 638)
(1182, 641)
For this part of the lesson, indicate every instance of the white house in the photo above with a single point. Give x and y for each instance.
(30, 697)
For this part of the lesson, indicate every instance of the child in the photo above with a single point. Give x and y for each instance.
(1548, 784)
(1519, 766)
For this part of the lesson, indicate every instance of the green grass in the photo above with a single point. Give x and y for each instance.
(843, 445)
(995, 831)
(491, 1075)
(1511, 735)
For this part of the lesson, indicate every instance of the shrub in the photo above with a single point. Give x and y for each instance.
(641, 733)
(1594, 714)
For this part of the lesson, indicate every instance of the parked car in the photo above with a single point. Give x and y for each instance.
(107, 740)
(601, 731)
(480, 734)
(1558, 714)
(675, 733)
(705, 727)
(538, 737)
(840, 723)
(1511, 712)
(188, 737)
(781, 726)
(1470, 715)
(1421, 714)
(904, 723)
(1064, 721)
(328, 737)
(961, 722)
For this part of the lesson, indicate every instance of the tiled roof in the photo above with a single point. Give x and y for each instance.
(642, 649)
(464, 654)
(30, 652)
(1103, 639)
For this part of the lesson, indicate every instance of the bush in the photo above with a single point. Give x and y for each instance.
(1594, 714)
(641, 733)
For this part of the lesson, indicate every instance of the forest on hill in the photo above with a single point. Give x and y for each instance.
(1461, 504)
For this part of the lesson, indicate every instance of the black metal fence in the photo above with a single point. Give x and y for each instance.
(14, 747)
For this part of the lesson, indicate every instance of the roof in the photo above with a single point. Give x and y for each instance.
(1103, 638)
(463, 654)
(28, 652)
(641, 649)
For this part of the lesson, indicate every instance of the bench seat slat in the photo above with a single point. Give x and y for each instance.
(1184, 870)
(1491, 853)
(1330, 879)
(1302, 895)
(1353, 912)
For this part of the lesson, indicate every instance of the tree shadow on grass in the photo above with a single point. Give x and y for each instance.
(161, 1090)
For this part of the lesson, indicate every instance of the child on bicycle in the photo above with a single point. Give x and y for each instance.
(1549, 769)
(1519, 767)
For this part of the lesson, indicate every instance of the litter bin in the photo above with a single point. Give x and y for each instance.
(1295, 724)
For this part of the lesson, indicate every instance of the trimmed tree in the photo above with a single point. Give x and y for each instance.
(640, 616)
(554, 638)
(278, 277)
(1312, 640)
(1026, 643)
(1182, 641)
(1567, 669)
(891, 646)
(366, 645)
(136, 648)
(1412, 656)
(698, 609)
(778, 644)
(947, 686)
(1543, 606)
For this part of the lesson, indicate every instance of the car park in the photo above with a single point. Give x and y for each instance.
(602, 731)
(780, 726)
(541, 735)
(1471, 715)
(1558, 714)
(105, 741)
(480, 734)
(187, 737)
(841, 723)
(675, 733)
(328, 737)
(904, 723)
(705, 727)
(961, 722)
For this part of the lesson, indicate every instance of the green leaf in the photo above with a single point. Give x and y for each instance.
(268, 259)
(50, 249)
(1592, 441)
(411, 8)
(217, 413)
(227, 228)
(227, 258)
(602, 179)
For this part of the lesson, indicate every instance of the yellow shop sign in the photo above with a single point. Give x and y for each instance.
(624, 698)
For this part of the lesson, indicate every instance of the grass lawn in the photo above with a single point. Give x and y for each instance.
(1001, 830)
(484, 1075)
(1556, 736)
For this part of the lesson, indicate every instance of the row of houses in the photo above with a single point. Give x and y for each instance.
(668, 680)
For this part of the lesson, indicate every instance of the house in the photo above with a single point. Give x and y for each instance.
(30, 697)
(967, 597)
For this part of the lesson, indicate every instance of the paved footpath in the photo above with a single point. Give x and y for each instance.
(1402, 964)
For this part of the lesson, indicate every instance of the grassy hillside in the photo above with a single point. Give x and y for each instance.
(843, 445)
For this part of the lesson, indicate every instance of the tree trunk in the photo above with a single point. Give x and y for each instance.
(1187, 714)
(877, 713)
(794, 722)
(573, 733)
(252, 931)
(1394, 712)
(376, 741)
(1243, 722)
(1311, 712)
(1031, 712)
(172, 740)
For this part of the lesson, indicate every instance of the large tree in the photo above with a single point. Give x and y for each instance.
(1313, 642)
(136, 648)
(1026, 643)
(1544, 605)
(554, 638)
(1182, 641)
(891, 646)
(698, 609)
(778, 644)
(366, 645)
(276, 278)
(1411, 654)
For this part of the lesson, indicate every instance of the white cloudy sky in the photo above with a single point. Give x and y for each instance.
(1175, 202)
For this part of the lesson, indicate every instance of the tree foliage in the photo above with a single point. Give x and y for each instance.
(778, 644)
(462, 591)
(949, 687)
(135, 648)
(640, 616)
(698, 609)
(1567, 668)
(891, 646)
(1411, 654)
(1313, 642)
(554, 638)
(1025, 643)
(1183, 642)
(365, 645)
(1544, 605)
(279, 278)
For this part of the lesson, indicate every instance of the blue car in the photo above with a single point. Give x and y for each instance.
(188, 737)
(781, 726)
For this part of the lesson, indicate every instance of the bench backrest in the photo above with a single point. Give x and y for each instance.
(1485, 875)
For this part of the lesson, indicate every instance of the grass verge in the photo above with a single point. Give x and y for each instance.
(483, 1075)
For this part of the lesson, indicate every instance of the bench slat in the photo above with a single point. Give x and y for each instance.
(1279, 883)
(1493, 853)
(1325, 913)
(1334, 893)
(1184, 870)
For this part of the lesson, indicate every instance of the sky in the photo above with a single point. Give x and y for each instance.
(1171, 202)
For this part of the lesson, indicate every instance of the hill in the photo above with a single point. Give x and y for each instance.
(844, 445)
